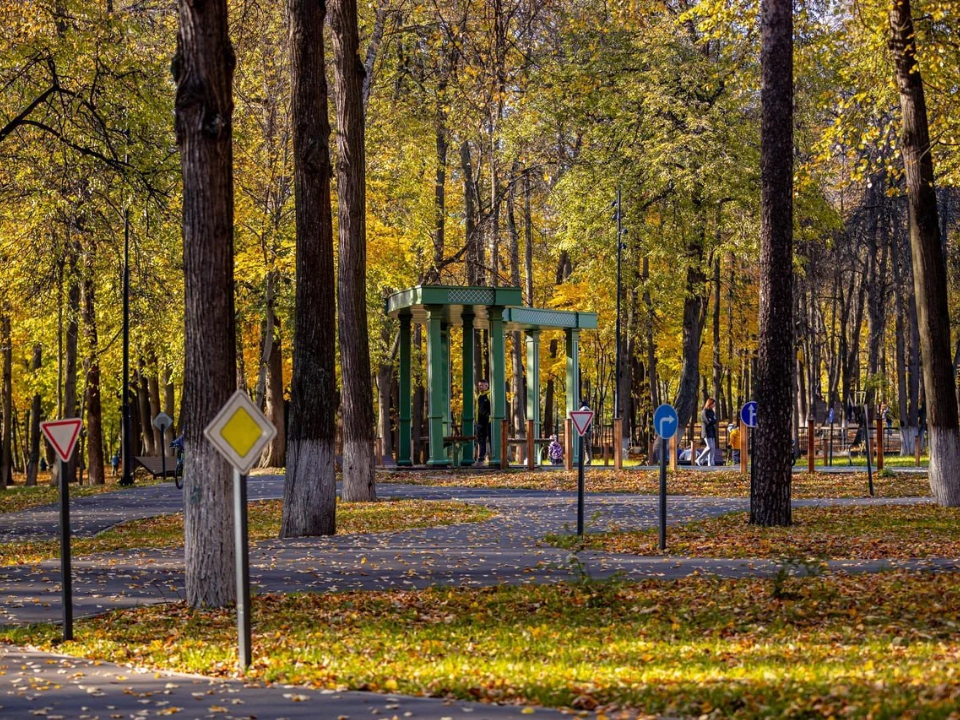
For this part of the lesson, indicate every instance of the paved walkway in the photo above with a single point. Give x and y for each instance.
(506, 549)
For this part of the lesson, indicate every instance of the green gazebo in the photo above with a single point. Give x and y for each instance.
(497, 310)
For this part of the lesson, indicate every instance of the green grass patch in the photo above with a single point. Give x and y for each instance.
(714, 483)
(263, 523)
(862, 646)
(859, 533)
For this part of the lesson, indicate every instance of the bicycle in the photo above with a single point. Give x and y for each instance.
(178, 471)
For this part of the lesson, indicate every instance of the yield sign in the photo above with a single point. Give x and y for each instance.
(581, 420)
(62, 435)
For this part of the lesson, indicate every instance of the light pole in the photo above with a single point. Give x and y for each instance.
(127, 440)
(616, 384)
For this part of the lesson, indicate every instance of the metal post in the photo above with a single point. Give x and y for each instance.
(127, 423)
(866, 439)
(663, 494)
(811, 445)
(580, 490)
(753, 464)
(830, 457)
(243, 568)
(617, 444)
(616, 384)
(163, 451)
(66, 576)
(879, 443)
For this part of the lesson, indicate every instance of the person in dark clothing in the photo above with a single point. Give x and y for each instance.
(483, 420)
(708, 419)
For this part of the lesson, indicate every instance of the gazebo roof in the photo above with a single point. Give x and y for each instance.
(455, 301)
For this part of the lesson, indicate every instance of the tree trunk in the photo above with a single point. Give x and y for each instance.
(203, 70)
(929, 271)
(358, 422)
(153, 385)
(476, 272)
(70, 408)
(274, 454)
(384, 395)
(694, 313)
(143, 403)
(770, 496)
(6, 445)
(35, 409)
(94, 424)
(310, 491)
(518, 406)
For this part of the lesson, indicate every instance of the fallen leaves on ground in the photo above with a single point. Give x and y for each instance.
(263, 523)
(705, 483)
(882, 645)
(874, 532)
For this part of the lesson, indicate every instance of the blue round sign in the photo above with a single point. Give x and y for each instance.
(665, 421)
(748, 414)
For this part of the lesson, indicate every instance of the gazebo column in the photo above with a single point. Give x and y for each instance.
(404, 448)
(573, 382)
(445, 354)
(466, 419)
(436, 382)
(533, 385)
(498, 382)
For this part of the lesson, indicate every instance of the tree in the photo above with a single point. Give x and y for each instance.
(929, 276)
(309, 495)
(770, 496)
(203, 70)
(358, 420)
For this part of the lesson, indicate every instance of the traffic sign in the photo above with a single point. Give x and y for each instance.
(240, 432)
(62, 435)
(748, 414)
(581, 420)
(665, 421)
(162, 422)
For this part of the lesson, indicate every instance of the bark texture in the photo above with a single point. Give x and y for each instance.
(6, 444)
(770, 495)
(94, 423)
(33, 463)
(357, 392)
(309, 495)
(203, 70)
(929, 269)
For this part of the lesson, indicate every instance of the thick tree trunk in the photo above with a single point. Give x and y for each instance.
(476, 270)
(203, 70)
(6, 444)
(723, 410)
(310, 492)
(358, 422)
(33, 465)
(694, 314)
(94, 424)
(929, 270)
(770, 496)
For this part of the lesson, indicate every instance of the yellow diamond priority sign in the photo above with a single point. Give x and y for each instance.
(240, 432)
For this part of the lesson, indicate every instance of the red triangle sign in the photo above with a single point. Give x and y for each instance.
(62, 435)
(581, 420)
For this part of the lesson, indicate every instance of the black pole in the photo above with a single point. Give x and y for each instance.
(663, 493)
(66, 577)
(580, 490)
(753, 464)
(163, 451)
(866, 440)
(243, 569)
(616, 385)
(127, 439)
(830, 454)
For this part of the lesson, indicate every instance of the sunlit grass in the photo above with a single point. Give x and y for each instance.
(166, 531)
(878, 645)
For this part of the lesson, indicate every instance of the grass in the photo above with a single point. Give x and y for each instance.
(859, 533)
(719, 483)
(166, 531)
(859, 646)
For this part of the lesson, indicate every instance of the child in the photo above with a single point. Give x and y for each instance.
(555, 451)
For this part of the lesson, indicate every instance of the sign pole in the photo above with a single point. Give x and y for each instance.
(663, 493)
(866, 439)
(580, 489)
(163, 451)
(66, 576)
(243, 568)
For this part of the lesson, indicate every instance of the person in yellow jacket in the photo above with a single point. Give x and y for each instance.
(733, 439)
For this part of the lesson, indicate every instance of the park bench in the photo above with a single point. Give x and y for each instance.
(456, 443)
(155, 465)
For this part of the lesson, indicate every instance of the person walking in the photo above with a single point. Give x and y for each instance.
(483, 420)
(708, 420)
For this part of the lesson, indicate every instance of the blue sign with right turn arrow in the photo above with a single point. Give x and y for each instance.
(665, 421)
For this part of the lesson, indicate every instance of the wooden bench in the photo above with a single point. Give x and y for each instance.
(154, 465)
(456, 443)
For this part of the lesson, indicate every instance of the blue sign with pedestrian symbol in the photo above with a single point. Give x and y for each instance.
(748, 414)
(665, 421)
